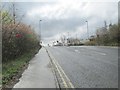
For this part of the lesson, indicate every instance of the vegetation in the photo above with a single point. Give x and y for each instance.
(11, 69)
(19, 45)
(106, 37)
(17, 38)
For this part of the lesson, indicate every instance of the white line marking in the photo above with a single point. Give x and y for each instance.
(77, 51)
(54, 47)
(100, 53)
(94, 51)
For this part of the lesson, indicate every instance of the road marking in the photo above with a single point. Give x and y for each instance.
(100, 53)
(109, 46)
(54, 47)
(94, 51)
(77, 51)
(65, 75)
(64, 83)
(61, 73)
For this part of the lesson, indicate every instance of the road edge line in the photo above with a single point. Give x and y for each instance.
(67, 84)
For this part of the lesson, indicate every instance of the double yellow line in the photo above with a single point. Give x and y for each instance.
(65, 80)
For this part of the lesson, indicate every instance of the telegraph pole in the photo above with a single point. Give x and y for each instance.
(14, 13)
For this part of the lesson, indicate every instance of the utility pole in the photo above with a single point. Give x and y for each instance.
(14, 13)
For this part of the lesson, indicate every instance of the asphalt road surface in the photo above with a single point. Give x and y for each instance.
(88, 66)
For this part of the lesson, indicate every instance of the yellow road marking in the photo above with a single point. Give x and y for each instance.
(59, 69)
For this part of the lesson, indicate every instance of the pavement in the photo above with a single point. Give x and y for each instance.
(38, 74)
(88, 66)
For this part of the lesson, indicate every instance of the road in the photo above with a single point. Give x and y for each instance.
(88, 66)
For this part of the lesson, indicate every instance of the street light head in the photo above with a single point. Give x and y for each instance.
(86, 21)
(40, 20)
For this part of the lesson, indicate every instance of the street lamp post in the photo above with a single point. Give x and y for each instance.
(87, 30)
(40, 29)
(68, 39)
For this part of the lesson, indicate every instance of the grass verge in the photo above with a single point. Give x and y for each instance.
(12, 70)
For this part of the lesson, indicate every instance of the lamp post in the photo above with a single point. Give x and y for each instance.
(40, 29)
(68, 39)
(87, 30)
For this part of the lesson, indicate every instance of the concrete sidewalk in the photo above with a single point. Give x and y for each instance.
(38, 74)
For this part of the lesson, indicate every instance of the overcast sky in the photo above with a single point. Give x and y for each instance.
(60, 17)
